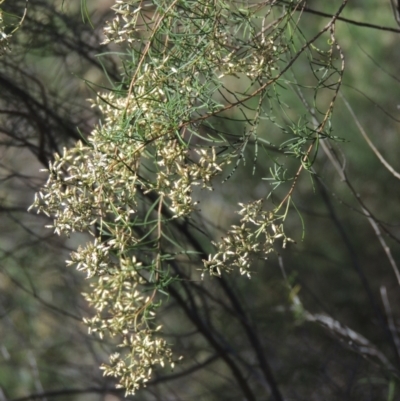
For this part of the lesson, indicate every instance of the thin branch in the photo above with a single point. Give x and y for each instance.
(254, 340)
(355, 340)
(192, 314)
(39, 299)
(382, 241)
(343, 19)
(368, 140)
(389, 315)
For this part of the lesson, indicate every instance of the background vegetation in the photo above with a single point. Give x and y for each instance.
(317, 320)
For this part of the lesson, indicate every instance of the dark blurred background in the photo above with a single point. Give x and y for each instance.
(342, 341)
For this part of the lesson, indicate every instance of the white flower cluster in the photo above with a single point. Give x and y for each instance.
(122, 310)
(253, 239)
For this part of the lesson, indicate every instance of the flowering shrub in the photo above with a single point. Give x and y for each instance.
(160, 136)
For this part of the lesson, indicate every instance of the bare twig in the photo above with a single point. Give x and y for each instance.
(389, 315)
(355, 340)
(347, 20)
(367, 139)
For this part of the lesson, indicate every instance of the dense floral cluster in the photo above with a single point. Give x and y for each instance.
(254, 238)
(123, 310)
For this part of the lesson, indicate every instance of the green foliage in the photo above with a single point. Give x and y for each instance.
(164, 132)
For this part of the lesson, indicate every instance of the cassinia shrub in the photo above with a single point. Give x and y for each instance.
(163, 133)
